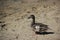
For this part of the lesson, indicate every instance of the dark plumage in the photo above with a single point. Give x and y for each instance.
(38, 27)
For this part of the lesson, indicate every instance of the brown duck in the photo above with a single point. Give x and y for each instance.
(38, 27)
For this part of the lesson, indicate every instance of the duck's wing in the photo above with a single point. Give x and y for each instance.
(40, 24)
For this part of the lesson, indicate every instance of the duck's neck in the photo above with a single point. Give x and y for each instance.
(33, 22)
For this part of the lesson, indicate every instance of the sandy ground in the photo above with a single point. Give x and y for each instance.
(14, 14)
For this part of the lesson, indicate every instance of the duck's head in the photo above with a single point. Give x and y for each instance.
(31, 16)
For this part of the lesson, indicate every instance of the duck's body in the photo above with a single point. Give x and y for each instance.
(38, 27)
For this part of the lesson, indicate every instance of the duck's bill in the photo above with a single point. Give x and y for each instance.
(28, 17)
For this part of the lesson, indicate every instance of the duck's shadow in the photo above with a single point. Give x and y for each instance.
(44, 33)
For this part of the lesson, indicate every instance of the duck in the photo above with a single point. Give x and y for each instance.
(37, 27)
